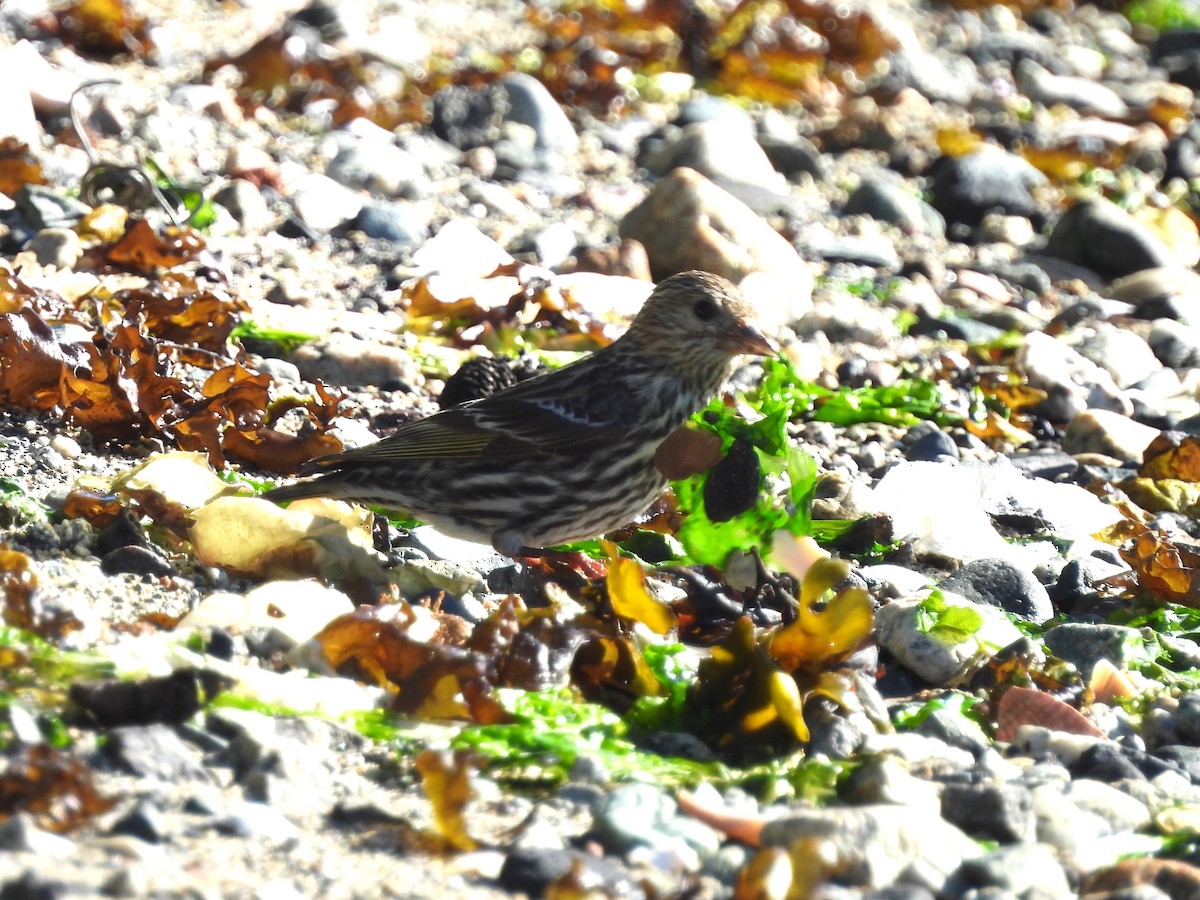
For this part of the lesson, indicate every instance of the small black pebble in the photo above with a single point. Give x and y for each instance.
(135, 561)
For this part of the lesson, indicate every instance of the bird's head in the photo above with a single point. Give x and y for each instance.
(698, 320)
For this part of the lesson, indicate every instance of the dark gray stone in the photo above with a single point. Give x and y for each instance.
(794, 156)
(998, 812)
(1110, 762)
(967, 188)
(144, 821)
(399, 223)
(1076, 580)
(1049, 463)
(31, 885)
(1175, 344)
(469, 117)
(44, 207)
(1187, 718)
(529, 103)
(887, 202)
(1083, 643)
(999, 583)
(533, 871)
(1100, 235)
(1186, 757)
(928, 443)
(133, 560)
(153, 751)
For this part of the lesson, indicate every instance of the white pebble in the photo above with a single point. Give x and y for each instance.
(65, 446)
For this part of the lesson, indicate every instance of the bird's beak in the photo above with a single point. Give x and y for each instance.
(743, 337)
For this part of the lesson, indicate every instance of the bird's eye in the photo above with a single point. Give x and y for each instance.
(704, 309)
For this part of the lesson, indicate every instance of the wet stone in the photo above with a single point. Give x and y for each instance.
(1026, 870)
(1110, 762)
(928, 443)
(58, 247)
(1083, 644)
(20, 834)
(999, 812)
(144, 821)
(1100, 235)
(32, 885)
(43, 207)
(1000, 583)
(153, 751)
(134, 560)
(534, 870)
(966, 188)
(1187, 718)
(1076, 580)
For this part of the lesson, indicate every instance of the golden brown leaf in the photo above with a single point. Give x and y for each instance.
(53, 786)
(18, 167)
(819, 637)
(104, 27)
(375, 642)
(446, 779)
(738, 702)
(100, 508)
(1172, 454)
(142, 249)
(1165, 570)
(203, 318)
(630, 598)
(274, 451)
(612, 671)
(32, 361)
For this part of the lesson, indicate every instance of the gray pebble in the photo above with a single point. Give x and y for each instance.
(1100, 235)
(1000, 583)
(58, 247)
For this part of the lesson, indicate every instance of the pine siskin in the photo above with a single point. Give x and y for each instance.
(566, 455)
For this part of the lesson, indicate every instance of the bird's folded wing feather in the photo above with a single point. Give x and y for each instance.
(498, 428)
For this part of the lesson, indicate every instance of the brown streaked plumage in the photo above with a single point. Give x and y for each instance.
(566, 455)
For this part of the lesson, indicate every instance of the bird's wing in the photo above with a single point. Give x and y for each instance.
(546, 415)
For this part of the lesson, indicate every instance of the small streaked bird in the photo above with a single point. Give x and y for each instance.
(566, 455)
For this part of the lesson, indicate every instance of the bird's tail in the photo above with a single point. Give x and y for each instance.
(298, 491)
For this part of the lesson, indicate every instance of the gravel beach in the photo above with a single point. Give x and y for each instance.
(235, 236)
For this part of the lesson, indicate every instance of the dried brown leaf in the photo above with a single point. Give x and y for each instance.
(142, 249)
(446, 779)
(18, 167)
(1172, 455)
(52, 785)
(104, 27)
